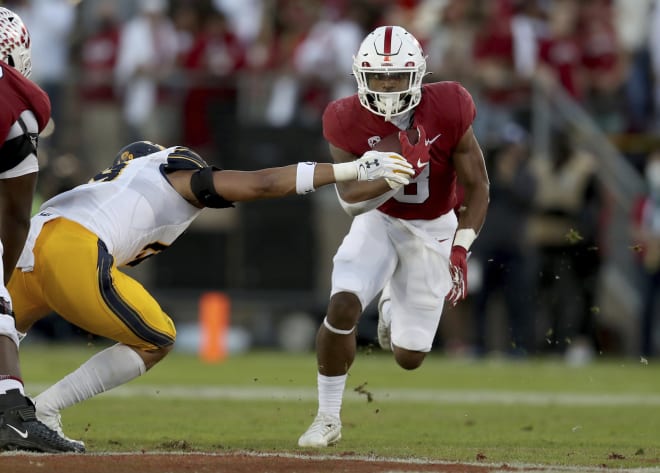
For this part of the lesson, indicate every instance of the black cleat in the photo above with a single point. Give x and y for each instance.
(20, 429)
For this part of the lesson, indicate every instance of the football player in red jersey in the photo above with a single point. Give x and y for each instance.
(405, 242)
(24, 113)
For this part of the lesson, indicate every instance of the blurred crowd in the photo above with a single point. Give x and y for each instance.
(193, 72)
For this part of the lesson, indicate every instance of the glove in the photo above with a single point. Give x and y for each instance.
(417, 154)
(458, 273)
(390, 166)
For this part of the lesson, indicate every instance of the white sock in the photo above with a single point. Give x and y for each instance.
(107, 369)
(331, 392)
(7, 384)
(386, 311)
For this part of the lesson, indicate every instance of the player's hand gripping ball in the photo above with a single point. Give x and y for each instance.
(411, 144)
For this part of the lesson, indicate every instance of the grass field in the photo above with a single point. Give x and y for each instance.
(495, 411)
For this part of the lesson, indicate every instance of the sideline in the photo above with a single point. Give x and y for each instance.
(278, 393)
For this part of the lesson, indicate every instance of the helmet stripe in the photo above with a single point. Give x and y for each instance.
(388, 41)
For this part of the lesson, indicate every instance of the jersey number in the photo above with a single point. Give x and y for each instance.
(148, 251)
(110, 173)
(416, 192)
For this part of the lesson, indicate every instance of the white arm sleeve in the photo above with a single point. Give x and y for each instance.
(357, 208)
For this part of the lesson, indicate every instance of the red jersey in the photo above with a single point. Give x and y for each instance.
(17, 94)
(446, 111)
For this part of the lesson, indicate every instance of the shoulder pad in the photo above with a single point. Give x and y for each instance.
(182, 158)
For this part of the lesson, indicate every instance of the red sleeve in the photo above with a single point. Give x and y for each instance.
(18, 94)
(466, 108)
(332, 129)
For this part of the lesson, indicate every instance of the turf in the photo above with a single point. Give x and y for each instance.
(532, 411)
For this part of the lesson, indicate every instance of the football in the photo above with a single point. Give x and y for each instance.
(391, 142)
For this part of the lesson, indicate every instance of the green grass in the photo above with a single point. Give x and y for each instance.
(621, 435)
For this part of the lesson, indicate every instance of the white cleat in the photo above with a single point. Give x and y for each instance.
(53, 420)
(384, 321)
(324, 431)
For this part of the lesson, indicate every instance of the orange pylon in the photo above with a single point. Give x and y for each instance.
(214, 314)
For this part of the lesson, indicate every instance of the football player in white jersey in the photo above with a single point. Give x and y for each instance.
(24, 113)
(130, 211)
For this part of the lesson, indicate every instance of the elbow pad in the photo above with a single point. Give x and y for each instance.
(356, 208)
(201, 183)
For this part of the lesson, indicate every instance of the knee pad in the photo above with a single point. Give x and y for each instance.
(8, 328)
(412, 339)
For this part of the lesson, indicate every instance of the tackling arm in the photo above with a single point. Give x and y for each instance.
(353, 192)
(229, 186)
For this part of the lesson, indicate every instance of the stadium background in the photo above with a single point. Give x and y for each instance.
(245, 82)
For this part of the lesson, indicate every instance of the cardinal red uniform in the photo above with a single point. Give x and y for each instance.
(406, 242)
(24, 112)
(446, 111)
(419, 218)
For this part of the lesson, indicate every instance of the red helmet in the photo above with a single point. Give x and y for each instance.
(14, 42)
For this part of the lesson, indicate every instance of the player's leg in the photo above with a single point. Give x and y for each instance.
(362, 264)
(80, 282)
(418, 287)
(19, 427)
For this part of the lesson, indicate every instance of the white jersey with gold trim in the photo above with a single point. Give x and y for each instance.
(131, 207)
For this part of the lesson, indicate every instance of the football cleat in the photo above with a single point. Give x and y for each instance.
(324, 431)
(53, 420)
(21, 430)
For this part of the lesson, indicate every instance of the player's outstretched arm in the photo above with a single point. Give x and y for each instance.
(301, 178)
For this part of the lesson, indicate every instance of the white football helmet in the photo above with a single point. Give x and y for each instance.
(14, 42)
(389, 51)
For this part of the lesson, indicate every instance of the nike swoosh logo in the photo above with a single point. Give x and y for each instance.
(430, 142)
(22, 434)
(420, 164)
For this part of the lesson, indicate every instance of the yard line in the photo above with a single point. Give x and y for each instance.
(277, 393)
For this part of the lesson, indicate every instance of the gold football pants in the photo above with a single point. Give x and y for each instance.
(75, 277)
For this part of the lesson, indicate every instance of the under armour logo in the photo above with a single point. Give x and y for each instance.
(374, 162)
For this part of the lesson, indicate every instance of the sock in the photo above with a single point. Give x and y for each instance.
(386, 311)
(331, 391)
(105, 370)
(8, 382)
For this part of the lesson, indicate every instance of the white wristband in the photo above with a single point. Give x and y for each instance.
(345, 171)
(305, 178)
(465, 237)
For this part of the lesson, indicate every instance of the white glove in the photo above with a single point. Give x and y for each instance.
(376, 165)
(391, 166)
